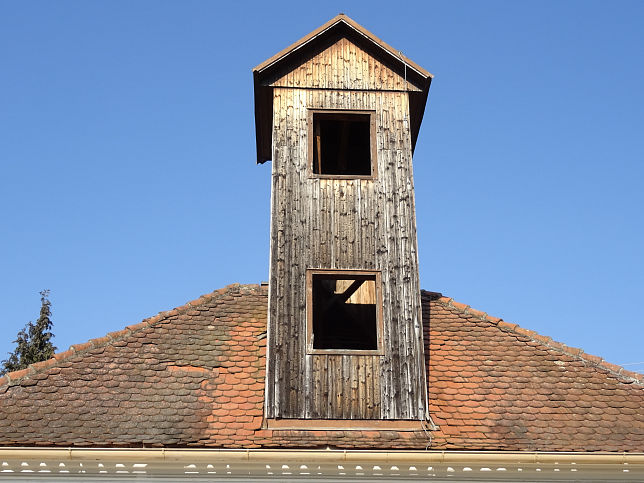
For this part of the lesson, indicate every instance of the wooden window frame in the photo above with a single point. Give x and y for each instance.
(309, 311)
(297, 424)
(372, 143)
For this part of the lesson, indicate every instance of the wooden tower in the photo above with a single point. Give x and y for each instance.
(338, 113)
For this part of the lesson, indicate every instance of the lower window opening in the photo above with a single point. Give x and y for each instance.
(344, 311)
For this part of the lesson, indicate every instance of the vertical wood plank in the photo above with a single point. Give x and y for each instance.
(352, 224)
(354, 69)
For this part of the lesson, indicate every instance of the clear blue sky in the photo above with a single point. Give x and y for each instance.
(128, 182)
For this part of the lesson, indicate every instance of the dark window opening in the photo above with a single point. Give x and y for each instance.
(342, 144)
(344, 312)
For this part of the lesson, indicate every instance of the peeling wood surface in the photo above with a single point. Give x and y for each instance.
(344, 65)
(352, 224)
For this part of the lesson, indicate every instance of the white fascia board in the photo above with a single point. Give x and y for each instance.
(31, 464)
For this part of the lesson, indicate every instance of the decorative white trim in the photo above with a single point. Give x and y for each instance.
(31, 464)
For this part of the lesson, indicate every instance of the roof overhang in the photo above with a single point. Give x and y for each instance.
(269, 70)
(195, 464)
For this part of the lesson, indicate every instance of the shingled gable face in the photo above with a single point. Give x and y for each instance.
(338, 113)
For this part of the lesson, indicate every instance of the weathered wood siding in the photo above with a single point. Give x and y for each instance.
(344, 65)
(366, 224)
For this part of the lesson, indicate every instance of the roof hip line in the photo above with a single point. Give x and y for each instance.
(12, 378)
(577, 353)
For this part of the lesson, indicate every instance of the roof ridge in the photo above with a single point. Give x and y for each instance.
(575, 352)
(13, 377)
(348, 21)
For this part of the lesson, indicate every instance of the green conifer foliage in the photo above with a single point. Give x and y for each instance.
(33, 342)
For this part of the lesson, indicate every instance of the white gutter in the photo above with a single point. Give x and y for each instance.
(265, 463)
(319, 455)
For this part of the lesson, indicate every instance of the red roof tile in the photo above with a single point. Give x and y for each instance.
(194, 377)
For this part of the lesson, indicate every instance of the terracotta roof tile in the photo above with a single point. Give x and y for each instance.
(550, 389)
(194, 377)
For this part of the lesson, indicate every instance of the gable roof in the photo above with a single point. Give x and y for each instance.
(295, 54)
(337, 21)
(194, 377)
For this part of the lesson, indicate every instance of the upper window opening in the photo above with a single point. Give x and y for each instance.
(342, 144)
(344, 312)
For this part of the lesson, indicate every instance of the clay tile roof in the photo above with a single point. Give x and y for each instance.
(194, 377)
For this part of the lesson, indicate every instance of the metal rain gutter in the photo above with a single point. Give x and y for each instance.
(462, 465)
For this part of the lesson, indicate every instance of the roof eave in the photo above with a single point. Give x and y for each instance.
(259, 136)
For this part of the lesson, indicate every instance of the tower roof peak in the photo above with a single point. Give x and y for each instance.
(295, 55)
